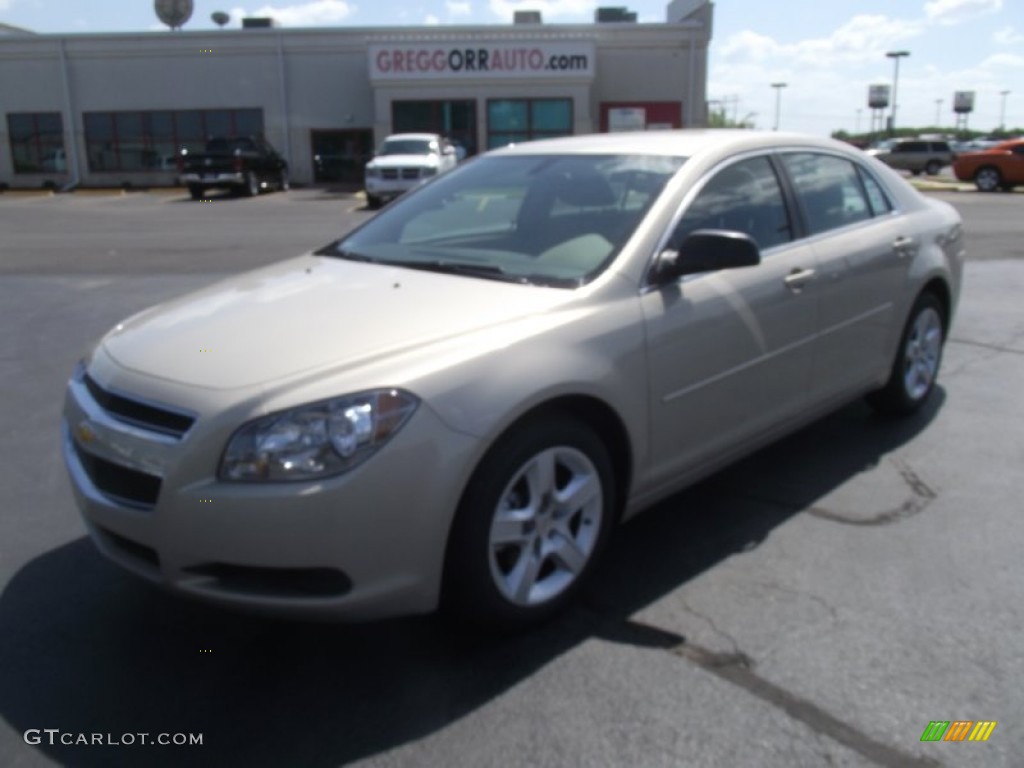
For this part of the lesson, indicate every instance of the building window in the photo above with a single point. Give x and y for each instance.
(511, 121)
(37, 142)
(455, 120)
(150, 141)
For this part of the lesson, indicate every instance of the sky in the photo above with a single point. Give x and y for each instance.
(826, 51)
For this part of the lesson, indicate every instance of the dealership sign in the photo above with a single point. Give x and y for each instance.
(476, 60)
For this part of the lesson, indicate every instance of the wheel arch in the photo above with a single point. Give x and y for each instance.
(940, 289)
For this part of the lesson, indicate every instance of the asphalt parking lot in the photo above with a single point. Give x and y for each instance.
(818, 604)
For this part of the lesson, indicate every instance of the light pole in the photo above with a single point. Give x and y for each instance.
(895, 56)
(856, 130)
(778, 101)
(1002, 111)
(938, 112)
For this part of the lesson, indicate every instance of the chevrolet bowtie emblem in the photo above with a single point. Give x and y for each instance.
(85, 433)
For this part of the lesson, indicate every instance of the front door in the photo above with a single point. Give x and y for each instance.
(729, 352)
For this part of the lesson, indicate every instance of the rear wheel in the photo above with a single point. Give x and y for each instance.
(988, 179)
(531, 524)
(913, 374)
(933, 168)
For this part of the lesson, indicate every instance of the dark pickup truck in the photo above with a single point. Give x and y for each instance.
(243, 164)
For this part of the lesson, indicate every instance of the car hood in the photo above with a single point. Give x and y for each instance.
(311, 312)
(400, 161)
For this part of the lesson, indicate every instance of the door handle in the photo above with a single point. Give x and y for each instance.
(798, 278)
(904, 246)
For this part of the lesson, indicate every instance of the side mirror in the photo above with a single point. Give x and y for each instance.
(707, 250)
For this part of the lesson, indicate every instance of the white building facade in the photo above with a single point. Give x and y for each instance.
(114, 109)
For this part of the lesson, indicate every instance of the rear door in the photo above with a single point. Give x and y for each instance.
(863, 249)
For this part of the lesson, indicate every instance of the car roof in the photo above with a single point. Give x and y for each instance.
(414, 136)
(678, 143)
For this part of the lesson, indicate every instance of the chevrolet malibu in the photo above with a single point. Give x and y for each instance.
(454, 405)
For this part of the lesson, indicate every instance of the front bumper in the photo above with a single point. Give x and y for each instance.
(354, 547)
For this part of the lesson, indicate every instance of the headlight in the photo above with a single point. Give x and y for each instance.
(372, 173)
(316, 440)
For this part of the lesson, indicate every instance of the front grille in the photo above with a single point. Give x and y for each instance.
(141, 415)
(389, 173)
(410, 173)
(121, 484)
(275, 582)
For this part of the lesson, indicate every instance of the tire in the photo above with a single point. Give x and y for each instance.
(915, 173)
(913, 374)
(195, 191)
(933, 167)
(252, 185)
(521, 544)
(282, 181)
(988, 179)
(372, 202)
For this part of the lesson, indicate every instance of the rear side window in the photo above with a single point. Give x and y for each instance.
(743, 197)
(911, 146)
(940, 146)
(877, 198)
(829, 190)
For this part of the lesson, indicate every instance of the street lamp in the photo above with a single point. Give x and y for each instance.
(938, 112)
(1002, 111)
(778, 101)
(895, 56)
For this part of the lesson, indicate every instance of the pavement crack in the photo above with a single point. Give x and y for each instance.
(816, 599)
(720, 632)
(921, 495)
(734, 668)
(983, 345)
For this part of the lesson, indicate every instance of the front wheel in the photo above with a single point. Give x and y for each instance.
(531, 524)
(282, 181)
(988, 179)
(933, 168)
(195, 191)
(913, 374)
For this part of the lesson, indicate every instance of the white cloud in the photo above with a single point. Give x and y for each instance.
(860, 40)
(504, 9)
(957, 11)
(1008, 36)
(312, 14)
(458, 7)
(431, 20)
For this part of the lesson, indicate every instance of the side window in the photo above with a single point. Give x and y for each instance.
(829, 190)
(744, 197)
(877, 198)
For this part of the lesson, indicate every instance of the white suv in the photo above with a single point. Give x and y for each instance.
(403, 161)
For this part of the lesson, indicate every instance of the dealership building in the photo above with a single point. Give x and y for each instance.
(114, 109)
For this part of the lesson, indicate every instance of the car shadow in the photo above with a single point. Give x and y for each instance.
(88, 649)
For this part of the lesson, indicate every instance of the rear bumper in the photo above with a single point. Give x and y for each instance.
(214, 179)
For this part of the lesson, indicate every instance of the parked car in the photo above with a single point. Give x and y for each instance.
(916, 155)
(1001, 167)
(405, 160)
(244, 164)
(455, 403)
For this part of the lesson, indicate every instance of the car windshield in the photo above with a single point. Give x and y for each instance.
(544, 219)
(405, 147)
